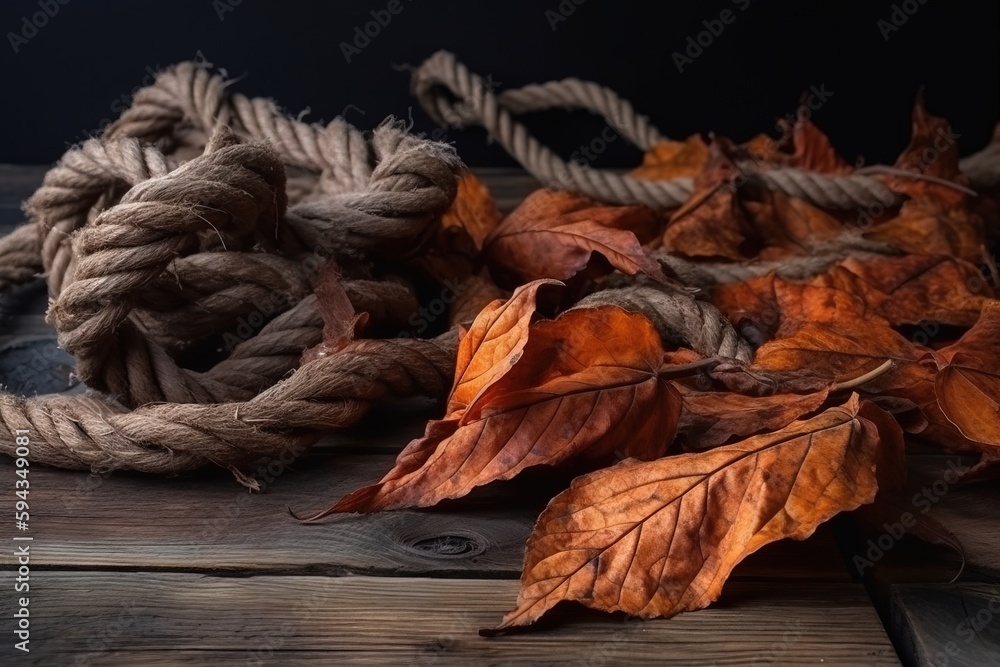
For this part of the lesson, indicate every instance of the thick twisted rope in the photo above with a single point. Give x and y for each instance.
(680, 318)
(149, 248)
(94, 433)
(452, 95)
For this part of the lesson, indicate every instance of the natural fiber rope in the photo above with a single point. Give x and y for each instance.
(147, 252)
(88, 432)
(680, 318)
(452, 95)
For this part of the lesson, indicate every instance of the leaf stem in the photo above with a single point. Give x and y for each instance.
(883, 368)
(670, 371)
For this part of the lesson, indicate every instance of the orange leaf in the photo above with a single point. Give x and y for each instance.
(813, 150)
(493, 344)
(914, 288)
(932, 151)
(712, 223)
(473, 210)
(712, 418)
(585, 386)
(968, 384)
(552, 234)
(658, 538)
(668, 160)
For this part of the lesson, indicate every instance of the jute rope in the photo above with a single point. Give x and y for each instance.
(158, 234)
(453, 95)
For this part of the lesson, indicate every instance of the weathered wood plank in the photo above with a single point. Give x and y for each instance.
(933, 622)
(207, 523)
(129, 618)
(947, 624)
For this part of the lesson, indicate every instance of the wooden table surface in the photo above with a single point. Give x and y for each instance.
(134, 570)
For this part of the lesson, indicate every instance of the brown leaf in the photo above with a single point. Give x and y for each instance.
(933, 226)
(847, 342)
(668, 160)
(712, 418)
(968, 383)
(814, 152)
(711, 224)
(492, 345)
(658, 538)
(933, 152)
(552, 234)
(788, 226)
(914, 288)
(340, 323)
(586, 385)
(473, 210)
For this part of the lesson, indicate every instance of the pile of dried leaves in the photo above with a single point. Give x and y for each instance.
(867, 325)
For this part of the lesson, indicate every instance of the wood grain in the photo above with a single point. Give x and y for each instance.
(208, 523)
(131, 618)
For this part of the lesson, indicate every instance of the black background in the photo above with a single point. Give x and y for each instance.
(65, 80)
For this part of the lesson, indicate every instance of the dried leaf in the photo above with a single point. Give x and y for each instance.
(473, 210)
(968, 383)
(340, 323)
(788, 226)
(658, 538)
(933, 226)
(932, 151)
(492, 345)
(814, 152)
(712, 418)
(711, 224)
(669, 160)
(585, 385)
(914, 288)
(552, 234)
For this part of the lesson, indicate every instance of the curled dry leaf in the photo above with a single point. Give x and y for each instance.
(493, 344)
(657, 538)
(553, 234)
(968, 382)
(340, 323)
(581, 386)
